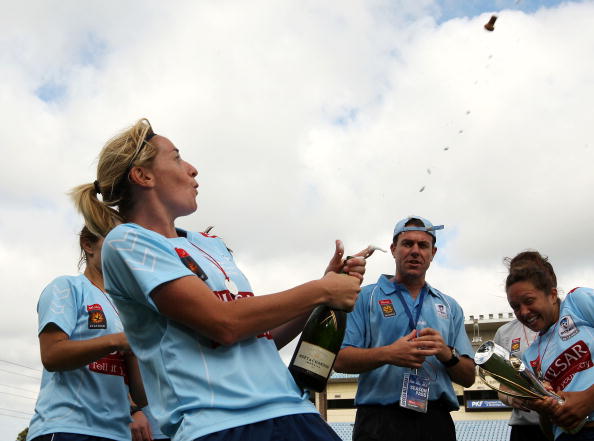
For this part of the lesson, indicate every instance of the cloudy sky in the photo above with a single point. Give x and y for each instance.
(308, 121)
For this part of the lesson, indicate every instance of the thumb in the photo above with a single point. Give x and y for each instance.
(338, 253)
(411, 336)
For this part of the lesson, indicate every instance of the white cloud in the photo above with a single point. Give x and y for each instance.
(307, 122)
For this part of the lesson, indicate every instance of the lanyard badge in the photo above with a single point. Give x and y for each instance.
(415, 387)
(415, 392)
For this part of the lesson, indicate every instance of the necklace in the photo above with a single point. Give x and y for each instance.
(538, 364)
(229, 284)
(528, 343)
(106, 296)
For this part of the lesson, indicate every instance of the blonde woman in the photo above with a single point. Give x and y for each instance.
(208, 348)
(88, 368)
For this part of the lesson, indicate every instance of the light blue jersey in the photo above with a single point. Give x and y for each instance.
(379, 319)
(194, 385)
(567, 361)
(92, 400)
(155, 432)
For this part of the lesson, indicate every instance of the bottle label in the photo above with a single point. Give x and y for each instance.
(314, 359)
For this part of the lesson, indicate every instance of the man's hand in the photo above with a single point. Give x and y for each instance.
(140, 427)
(430, 338)
(407, 352)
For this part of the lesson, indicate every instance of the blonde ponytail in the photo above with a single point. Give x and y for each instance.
(130, 148)
(100, 219)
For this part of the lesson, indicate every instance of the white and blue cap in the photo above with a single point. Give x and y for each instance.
(427, 228)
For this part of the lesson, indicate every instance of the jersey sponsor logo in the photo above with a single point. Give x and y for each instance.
(226, 296)
(387, 308)
(442, 312)
(567, 328)
(571, 361)
(111, 364)
(97, 318)
(515, 345)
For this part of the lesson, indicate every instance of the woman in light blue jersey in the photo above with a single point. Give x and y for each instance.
(208, 348)
(88, 368)
(561, 355)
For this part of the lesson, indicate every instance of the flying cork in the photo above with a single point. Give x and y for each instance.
(490, 26)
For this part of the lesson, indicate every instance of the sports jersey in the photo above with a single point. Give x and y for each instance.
(194, 385)
(515, 337)
(155, 431)
(91, 400)
(379, 319)
(565, 349)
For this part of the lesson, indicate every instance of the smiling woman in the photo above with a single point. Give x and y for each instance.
(208, 347)
(561, 354)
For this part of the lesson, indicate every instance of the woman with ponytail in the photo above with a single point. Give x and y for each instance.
(88, 367)
(561, 353)
(208, 348)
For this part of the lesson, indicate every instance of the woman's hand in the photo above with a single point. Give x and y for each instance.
(545, 406)
(341, 289)
(576, 407)
(355, 266)
(140, 427)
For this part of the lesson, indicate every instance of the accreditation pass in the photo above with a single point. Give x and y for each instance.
(415, 392)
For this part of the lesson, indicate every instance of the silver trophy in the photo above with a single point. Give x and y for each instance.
(507, 374)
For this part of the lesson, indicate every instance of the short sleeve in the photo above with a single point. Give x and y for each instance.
(581, 303)
(498, 339)
(58, 304)
(356, 324)
(461, 342)
(136, 261)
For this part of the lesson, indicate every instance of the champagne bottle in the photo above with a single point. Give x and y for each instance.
(318, 346)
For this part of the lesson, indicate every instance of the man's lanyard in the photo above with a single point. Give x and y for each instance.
(412, 323)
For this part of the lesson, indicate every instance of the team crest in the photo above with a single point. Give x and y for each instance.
(387, 308)
(97, 318)
(441, 311)
(567, 328)
(515, 345)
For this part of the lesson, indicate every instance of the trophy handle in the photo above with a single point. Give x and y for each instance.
(529, 395)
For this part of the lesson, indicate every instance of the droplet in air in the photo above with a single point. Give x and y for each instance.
(460, 131)
(422, 189)
(446, 148)
(428, 171)
(468, 112)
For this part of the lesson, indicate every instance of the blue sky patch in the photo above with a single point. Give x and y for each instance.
(471, 8)
(346, 117)
(50, 92)
(92, 50)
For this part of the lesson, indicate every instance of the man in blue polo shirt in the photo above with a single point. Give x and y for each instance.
(407, 341)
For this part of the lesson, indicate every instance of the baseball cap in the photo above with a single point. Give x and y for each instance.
(428, 226)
